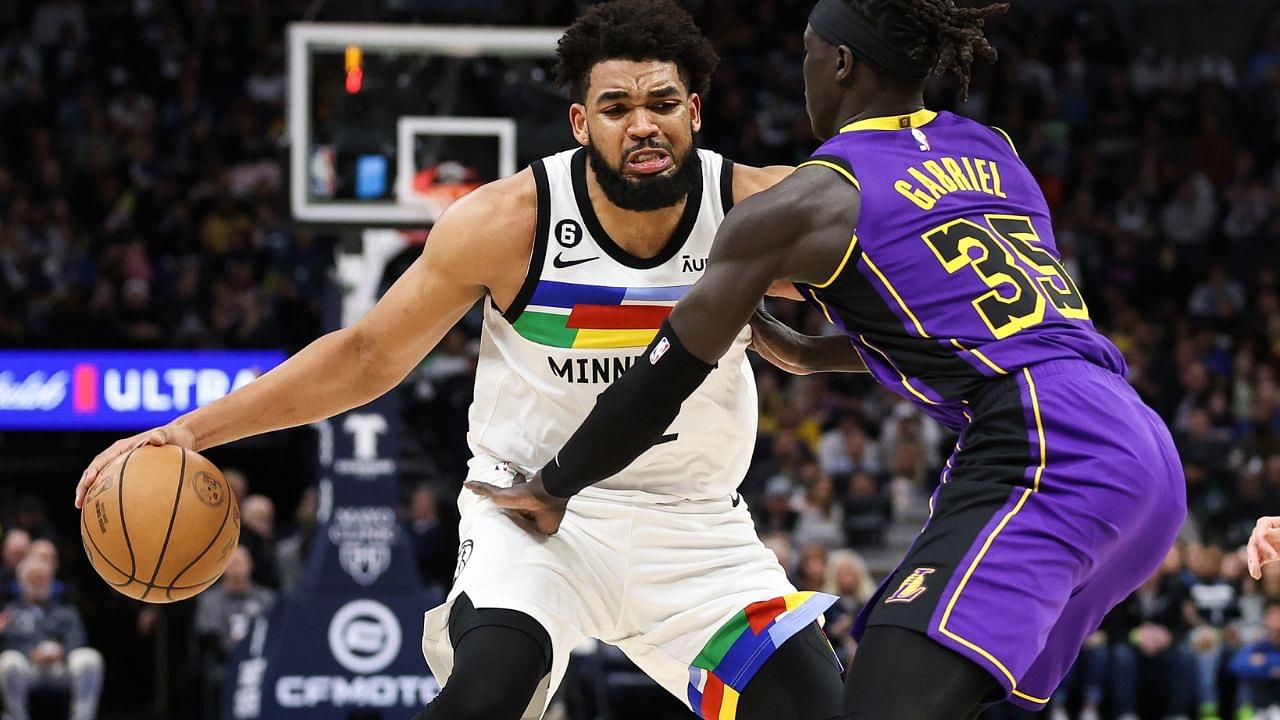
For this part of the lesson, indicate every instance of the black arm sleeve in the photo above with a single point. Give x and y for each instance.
(628, 417)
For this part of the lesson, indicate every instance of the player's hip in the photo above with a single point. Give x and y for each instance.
(1065, 426)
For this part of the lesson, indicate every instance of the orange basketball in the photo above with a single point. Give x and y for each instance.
(160, 523)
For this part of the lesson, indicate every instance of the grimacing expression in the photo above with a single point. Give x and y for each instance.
(637, 120)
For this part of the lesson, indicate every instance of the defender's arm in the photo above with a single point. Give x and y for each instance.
(797, 231)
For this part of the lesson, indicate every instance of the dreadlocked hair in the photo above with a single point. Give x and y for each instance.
(936, 30)
(635, 30)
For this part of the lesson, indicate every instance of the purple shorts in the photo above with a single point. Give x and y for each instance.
(1064, 494)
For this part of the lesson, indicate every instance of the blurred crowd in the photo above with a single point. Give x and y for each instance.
(142, 205)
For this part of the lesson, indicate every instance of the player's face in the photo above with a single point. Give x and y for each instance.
(637, 120)
(821, 87)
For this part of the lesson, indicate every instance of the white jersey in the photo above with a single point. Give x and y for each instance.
(586, 310)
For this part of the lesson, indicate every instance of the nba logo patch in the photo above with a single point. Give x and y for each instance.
(912, 586)
(663, 346)
(921, 138)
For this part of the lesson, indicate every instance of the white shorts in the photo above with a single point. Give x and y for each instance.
(686, 590)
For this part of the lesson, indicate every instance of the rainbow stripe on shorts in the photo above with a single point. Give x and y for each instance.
(568, 315)
(741, 646)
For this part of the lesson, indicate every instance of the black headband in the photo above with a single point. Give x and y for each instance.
(837, 22)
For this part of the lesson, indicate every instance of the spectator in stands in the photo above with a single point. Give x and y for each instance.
(850, 581)
(1213, 601)
(812, 571)
(821, 517)
(434, 546)
(293, 552)
(776, 513)
(48, 552)
(867, 511)
(1258, 666)
(17, 543)
(846, 449)
(43, 643)
(224, 616)
(257, 535)
(1152, 674)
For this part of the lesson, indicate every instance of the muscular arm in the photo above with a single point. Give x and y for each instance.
(797, 231)
(478, 245)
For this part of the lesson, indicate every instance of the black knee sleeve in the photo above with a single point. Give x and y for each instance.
(801, 681)
(899, 674)
(499, 659)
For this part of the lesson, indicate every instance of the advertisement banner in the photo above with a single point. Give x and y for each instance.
(118, 389)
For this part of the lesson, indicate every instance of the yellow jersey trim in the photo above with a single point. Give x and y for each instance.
(906, 382)
(845, 261)
(1024, 696)
(822, 306)
(1035, 408)
(955, 596)
(892, 291)
(1007, 139)
(978, 354)
(919, 118)
(823, 163)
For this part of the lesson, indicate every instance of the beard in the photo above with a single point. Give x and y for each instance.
(651, 192)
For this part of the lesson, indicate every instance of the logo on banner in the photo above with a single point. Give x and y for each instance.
(365, 429)
(364, 636)
(37, 391)
(364, 536)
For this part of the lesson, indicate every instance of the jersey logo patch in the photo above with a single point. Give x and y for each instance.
(464, 554)
(568, 233)
(663, 346)
(561, 263)
(921, 138)
(912, 586)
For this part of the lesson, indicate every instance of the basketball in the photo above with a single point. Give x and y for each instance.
(160, 524)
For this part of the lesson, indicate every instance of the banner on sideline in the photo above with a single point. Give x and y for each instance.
(118, 389)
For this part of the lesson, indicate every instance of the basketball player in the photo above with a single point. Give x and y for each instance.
(578, 260)
(1064, 492)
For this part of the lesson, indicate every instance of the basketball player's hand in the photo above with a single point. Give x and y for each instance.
(1264, 545)
(167, 435)
(528, 499)
(777, 343)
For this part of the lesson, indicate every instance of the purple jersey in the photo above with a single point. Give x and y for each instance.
(952, 276)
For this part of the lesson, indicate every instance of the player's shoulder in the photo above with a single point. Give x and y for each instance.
(502, 211)
(749, 180)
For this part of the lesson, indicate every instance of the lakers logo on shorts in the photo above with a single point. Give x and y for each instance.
(912, 586)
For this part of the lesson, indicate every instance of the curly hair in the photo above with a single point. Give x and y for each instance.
(936, 30)
(634, 30)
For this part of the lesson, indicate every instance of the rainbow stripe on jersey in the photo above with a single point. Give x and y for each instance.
(742, 645)
(568, 315)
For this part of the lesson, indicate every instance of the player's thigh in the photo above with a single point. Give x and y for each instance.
(801, 681)
(900, 674)
(708, 604)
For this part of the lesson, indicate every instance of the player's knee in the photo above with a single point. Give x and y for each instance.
(478, 699)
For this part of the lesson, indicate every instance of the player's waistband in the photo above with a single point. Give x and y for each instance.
(1002, 389)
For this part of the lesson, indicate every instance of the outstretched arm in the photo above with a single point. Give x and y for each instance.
(799, 230)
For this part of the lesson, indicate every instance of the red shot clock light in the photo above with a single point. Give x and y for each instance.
(354, 63)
